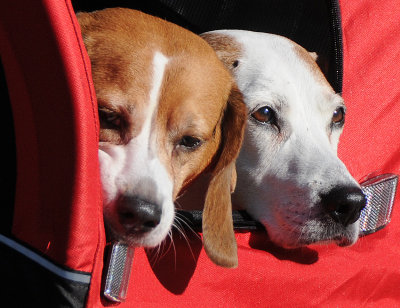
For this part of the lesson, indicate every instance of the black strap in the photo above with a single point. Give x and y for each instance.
(26, 283)
(242, 222)
(8, 174)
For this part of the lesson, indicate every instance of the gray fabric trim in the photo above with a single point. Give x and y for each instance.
(73, 276)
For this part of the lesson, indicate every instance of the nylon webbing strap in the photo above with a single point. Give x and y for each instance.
(241, 220)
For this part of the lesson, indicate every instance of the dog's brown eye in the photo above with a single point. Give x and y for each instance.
(264, 115)
(109, 119)
(114, 119)
(338, 116)
(190, 142)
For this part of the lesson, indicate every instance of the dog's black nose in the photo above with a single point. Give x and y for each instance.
(137, 215)
(344, 204)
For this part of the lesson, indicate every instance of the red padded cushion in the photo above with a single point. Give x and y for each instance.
(58, 195)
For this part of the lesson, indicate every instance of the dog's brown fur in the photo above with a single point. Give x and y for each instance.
(198, 97)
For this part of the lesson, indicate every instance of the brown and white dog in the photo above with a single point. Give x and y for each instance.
(289, 175)
(168, 111)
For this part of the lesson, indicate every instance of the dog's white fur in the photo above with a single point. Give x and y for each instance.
(283, 169)
(135, 168)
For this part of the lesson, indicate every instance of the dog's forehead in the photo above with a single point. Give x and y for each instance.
(193, 109)
(193, 86)
(273, 68)
(194, 93)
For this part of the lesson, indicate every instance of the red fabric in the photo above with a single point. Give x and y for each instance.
(58, 206)
(371, 87)
(58, 196)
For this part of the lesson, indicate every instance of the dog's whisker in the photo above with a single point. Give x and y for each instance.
(173, 245)
(303, 230)
(177, 204)
(185, 237)
(171, 242)
(160, 251)
(180, 219)
(183, 220)
(177, 225)
(152, 253)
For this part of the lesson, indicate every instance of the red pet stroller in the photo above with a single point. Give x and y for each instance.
(52, 238)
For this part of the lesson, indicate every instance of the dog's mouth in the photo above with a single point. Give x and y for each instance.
(117, 233)
(131, 236)
(341, 241)
(292, 235)
(327, 230)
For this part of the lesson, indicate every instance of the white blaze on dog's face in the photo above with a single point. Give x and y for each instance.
(289, 175)
(163, 95)
(133, 169)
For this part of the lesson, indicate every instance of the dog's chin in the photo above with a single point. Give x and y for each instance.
(294, 237)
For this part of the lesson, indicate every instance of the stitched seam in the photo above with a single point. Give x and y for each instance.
(98, 248)
(85, 67)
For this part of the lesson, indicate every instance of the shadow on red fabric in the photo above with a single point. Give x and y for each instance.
(303, 255)
(175, 261)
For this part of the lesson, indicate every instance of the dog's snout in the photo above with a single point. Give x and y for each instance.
(137, 215)
(344, 204)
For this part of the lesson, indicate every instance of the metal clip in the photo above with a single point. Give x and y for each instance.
(380, 192)
(120, 258)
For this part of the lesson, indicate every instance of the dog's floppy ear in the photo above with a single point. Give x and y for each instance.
(86, 23)
(218, 234)
(84, 19)
(322, 61)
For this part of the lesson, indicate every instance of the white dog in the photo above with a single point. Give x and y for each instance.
(289, 175)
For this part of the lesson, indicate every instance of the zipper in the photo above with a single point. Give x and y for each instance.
(337, 40)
